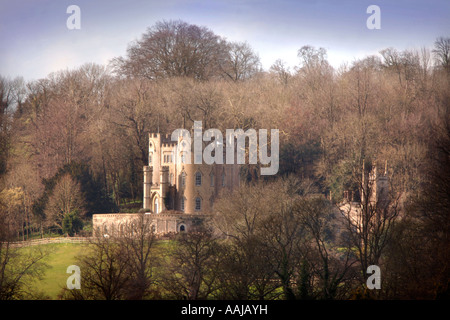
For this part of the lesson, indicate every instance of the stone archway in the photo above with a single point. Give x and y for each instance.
(156, 203)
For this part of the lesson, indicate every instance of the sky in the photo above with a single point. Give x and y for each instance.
(35, 39)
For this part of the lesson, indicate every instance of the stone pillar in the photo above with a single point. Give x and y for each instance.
(148, 174)
(164, 186)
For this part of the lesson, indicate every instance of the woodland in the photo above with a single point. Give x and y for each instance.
(74, 143)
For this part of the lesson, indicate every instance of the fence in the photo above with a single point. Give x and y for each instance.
(50, 240)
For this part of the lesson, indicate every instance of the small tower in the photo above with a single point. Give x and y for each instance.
(375, 185)
(164, 186)
(154, 154)
(148, 177)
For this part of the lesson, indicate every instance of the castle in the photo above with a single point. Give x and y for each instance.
(179, 191)
(374, 193)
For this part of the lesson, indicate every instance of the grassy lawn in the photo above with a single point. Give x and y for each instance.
(62, 255)
(65, 254)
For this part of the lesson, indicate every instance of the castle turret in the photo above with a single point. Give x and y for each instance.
(148, 177)
(375, 185)
(164, 186)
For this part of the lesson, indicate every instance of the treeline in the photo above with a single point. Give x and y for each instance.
(270, 241)
(74, 143)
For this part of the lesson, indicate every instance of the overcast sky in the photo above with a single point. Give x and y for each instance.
(35, 41)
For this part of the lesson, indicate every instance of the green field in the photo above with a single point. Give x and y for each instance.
(62, 255)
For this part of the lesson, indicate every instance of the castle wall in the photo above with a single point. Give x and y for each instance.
(163, 223)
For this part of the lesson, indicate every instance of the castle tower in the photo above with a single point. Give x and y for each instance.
(154, 155)
(148, 176)
(175, 180)
(375, 185)
(164, 187)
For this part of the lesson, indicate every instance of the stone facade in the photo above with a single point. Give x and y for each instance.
(162, 223)
(178, 194)
(172, 183)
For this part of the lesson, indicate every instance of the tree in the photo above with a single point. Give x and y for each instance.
(418, 254)
(314, 65)
(71, 223)
(11, 96)
(138, 239)
(18, 267)
(65, 204)
(174, 49)
(193, 263)
(241, 63)
(118, 266)
(441, 52)
(105, 272)
(282, 72)
(330, 260)
(369, 225)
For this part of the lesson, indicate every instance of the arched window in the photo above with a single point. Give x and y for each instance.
(155, 207)
(183, 179)
(198, 204)
(182, 228)
(198, 179)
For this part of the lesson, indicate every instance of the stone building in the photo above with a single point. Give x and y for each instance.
(172, 182)
(179, 190)
(374, 193)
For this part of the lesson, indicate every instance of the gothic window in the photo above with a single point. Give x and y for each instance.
(198, 204)
(167, 158)
(182, 204)
(182, 228)
(198, 179)
(183, 179)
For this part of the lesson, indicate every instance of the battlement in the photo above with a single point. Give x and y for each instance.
(170, 144)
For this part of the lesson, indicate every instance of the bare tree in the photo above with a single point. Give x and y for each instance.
(118, 266)
(441, 52)
(242, 63)
(282, 71)
(330, 258)
(18, 268)
(174, 49)
(11, 95)
(192, 270)
(138, 239)
(65, 199)
(369, 224)
(104, 272)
